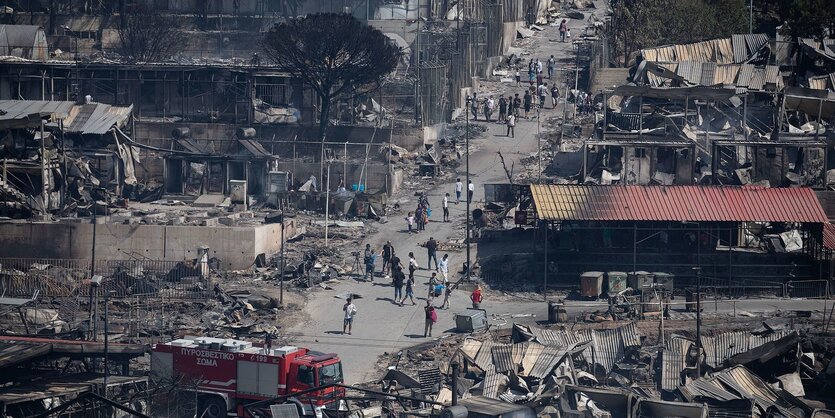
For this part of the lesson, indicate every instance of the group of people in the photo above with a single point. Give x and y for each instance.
(416, 221)
(439, 283)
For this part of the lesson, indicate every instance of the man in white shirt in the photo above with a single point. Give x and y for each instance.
(443, 266)
(459, 188)
(350, 310)
(470, 191)
(446, 207)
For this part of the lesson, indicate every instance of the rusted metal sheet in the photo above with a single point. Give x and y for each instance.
(677, 203)
(755, 41)
(591, 284)
(829, 236)
(503, 358)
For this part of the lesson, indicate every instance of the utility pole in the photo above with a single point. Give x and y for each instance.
(469, 268)
(327, 202)
(281, 269)
(751, 17)
(538, 141)
(699, 319)
(417, 67)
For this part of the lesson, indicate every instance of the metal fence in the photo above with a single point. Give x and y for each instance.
(22, 277)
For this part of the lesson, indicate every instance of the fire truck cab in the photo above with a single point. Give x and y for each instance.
(228, 374)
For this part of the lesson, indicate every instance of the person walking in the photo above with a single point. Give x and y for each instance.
(350, 311)
(398, 279)
(387, 253)
(476, 297)
(502, 108)
(410, 221)
(528, 100)
(447, 293)
(431, 317)
(543, 92)
(551, 64)
(538, 66)
(410, 284)
(431, 249)
(369, 262)
(474, 106)
(470, 191)
(539, 79)
(413, 265)
(511, 124)
(459, 188)
(555, 96)
(446, 207)
(443, 267)
(518, 77)
(531, 78)
(563, 30)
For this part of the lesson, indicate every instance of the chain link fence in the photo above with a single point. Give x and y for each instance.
(22, 277)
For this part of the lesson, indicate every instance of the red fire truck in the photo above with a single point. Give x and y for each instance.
(228, 374)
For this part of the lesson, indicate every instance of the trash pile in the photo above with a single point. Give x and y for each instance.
(615, 372)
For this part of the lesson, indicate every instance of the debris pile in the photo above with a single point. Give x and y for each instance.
(618, 372)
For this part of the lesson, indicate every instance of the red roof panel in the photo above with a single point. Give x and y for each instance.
(677, 203)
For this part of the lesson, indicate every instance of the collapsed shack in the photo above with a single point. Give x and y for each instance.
(40, 374)
(62, 156)
(619, 373)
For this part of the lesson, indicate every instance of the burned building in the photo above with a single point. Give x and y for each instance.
(735, 235)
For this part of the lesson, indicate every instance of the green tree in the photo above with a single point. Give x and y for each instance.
(335, 54)
(807, 18)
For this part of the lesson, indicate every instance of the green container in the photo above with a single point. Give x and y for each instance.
(616, 281)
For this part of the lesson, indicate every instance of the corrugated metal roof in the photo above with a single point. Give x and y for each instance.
(530, 356)
(751, 386)
(503, 358)
(829, 236)
(493, 383)
(630, 336)
(724, 346)
(708, 76)
(736, 49)
(757, 79)
(677, 203)
(720, 348)
(91, 118)
(673, 361)
(608, 348)
(740, 48)
(484, 359)
(470, 349)
(548, 359)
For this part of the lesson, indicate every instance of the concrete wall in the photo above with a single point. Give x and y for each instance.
(236, 246)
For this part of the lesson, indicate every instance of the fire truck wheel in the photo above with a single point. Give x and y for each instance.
(210, 406)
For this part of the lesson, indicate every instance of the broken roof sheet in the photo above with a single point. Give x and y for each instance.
(676, 203)
(722, 347)
(696, 73)
(739, 383)
(91, 118)
(673, 361)
(821, 49)
(736, 49)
